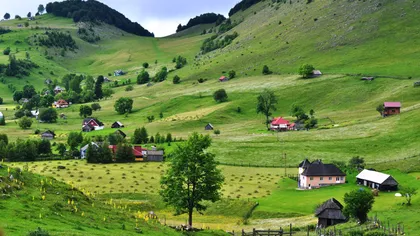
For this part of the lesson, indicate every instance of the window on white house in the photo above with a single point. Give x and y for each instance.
(312, 178)
(329, 178)
(337, 179)
(341, 178)
(321, 178)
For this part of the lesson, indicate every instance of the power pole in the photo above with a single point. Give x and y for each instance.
(285, 164)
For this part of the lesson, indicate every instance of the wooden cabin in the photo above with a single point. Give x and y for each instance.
(330, 213)
(391, 108)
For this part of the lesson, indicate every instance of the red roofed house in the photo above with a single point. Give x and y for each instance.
(391, 108)
(61, 104)
(223, 79)
(138, 151)
(281, 124)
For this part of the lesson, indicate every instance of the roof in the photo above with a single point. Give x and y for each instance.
(331, 209)
(155, 153)
(58, 88)
(280, 121)
(209, 125)
(48, 132)
(62, 102)
(305, 163)
(376, 177)
(223, 78)
(118, 123)
(87, 145)
(392, 104)
(316, 72)
(87, 120)
(119, 132)
(317, 168)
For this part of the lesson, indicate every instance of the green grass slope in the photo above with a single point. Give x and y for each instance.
(29, 201)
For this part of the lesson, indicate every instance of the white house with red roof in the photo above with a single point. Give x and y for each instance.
(280, 124)
(61, 104)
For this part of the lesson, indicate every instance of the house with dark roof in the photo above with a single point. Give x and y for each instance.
(391, 108)
(377, 180)
(117, 125)
(316, 73)
(48, 135)
(119, 132)
(90, 124)
(119, 73)
(318, 174)
(330, 213)
(58, 89)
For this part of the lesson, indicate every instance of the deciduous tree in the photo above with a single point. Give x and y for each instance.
(266, 103)
(220, 95)
(85, 111)
(192, 178)
(306, 70)
(408, 192)
(358, 204)
(123, 105)
(25, 122)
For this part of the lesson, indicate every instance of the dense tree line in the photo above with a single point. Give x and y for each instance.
(4, 30)
(215, 42)
(58, 39)
(24, 150)
(94, 11)
(207, 18)
(242, 6)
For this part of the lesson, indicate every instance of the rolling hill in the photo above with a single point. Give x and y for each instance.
(344, 39)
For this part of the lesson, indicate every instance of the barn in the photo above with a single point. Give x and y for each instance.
(391, 108)
(377, 180)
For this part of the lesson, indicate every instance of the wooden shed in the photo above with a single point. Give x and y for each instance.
(209, 127)
(154, 155)
(330, 213)
(391, 108)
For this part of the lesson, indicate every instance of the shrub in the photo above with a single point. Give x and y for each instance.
(129, 88)
(25, 122)
(375, 233)
(176, 80)
(39, 232)
(1, 100)
(232, 74)
(145, 65)
(266, 70)
(6, 51)
(220, 95)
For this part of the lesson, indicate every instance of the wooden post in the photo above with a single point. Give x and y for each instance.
(307, 234)
(243, 232)
(290, 230)
(253, 232)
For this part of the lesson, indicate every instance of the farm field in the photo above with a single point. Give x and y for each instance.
(346, 41)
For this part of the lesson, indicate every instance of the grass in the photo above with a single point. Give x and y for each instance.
(344, 42)
(25, 207)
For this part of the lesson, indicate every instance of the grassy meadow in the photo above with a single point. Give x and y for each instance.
(344, 40)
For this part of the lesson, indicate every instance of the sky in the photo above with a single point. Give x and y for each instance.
(158, 16)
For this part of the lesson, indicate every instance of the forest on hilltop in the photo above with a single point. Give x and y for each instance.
(93, 11)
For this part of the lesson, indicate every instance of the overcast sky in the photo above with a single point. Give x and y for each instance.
(159, 16)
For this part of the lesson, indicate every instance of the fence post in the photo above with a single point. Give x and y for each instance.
(253, 232)
(290, 230)
(243, 232)
(307, 234)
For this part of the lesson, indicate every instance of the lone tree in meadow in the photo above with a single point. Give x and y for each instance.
(266, 102)
(408, 192)
(85, 111)
(25, 122)
(6, 16)
(266, 70)
(232, 74)
(220, 95)
(41, 9)
(145, 65)
(192, 178)
(306, 70)
(143, 77)
(123, 105)
(358, 204)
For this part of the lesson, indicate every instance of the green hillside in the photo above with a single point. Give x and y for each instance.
(344, 39)
(32, 201)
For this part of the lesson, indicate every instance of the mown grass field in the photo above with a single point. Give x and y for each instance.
(343, 40)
